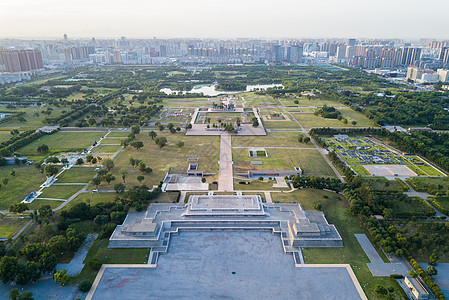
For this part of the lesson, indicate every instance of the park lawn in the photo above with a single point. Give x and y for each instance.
(63, 140)
(167, 197)
(77, 96)
(189, 102)
(272, 139)
(417, 170)
(431, 171)
(432, 183)
(361, 119)
(443, 201)
(205, 148)
(106, 148)
(92, 199)
(310, 120)
(306, 197)
(4, 136)
(32, 120)
(382, 184)
(37, 203)
(257, 185)
(412, 206)
(60, 191)
(309, 160)
(27, 180)
(337, 213)
(305, 101)
(77, 175)
(281, 124)
(360, 170)
(107, 255)
(251, 99)
(121, 134)
(10, 226)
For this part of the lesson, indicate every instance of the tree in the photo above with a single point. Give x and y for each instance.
(47, 262)
(431, 271)
(13, 173)
(161, 127)
(42, 148)
(203, 180)
(135, 129)
(300, 139)
(180, 144)
(189, 126)
(15, 295)
(18, 207)
(413, 273)
(354, 123)
(380, 290)
(108, 178)
(255, 122)
(84, 286)
(61, 277)
(140, 178)
(124, 172)
(119, 188)
(50, 170)
(96, 181)
(137, 144)
(9, 265)
(152, 134)
(79, 161)
(161, 141)
(101, 219)
(306, 140)
(108, 164)
(94, 264)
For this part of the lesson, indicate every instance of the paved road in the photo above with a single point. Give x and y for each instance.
(377, 265)
(225, 180)
(268, 197)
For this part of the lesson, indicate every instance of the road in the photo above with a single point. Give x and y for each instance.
(225, 179)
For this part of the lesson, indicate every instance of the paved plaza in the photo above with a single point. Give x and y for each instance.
(231, 264)
(225, 178)
(389, 170)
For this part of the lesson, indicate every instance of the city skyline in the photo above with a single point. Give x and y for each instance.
(202, 19)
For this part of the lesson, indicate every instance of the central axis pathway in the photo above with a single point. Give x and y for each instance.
(225, 180)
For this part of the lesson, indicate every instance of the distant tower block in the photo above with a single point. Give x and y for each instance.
(66, 38)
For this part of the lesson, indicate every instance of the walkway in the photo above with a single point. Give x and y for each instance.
(377, 265)
(77, 263)
(412, 193)
(225, 180)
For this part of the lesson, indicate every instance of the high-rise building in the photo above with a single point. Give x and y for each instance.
(443, 75)
(16, 61)
(294, 54)
(352, 42)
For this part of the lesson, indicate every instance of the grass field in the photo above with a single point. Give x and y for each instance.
(189, 102)
(251, 99)
(37, 203)
(306, 197)
(77, 175)
(309, 160)
(60, 191)
(10, 226)
(27, 180)
(337, 213)
(4, 136)
(106, 255)
(272, 139)
(63, 140)
(92, 199)
(432, 183)
(105, 148)
(34, 120)
(257, 185)
(443, 201)
(206, 148)
(382, 184)
(313, 101)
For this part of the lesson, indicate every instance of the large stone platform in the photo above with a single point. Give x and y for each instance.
(154, 228)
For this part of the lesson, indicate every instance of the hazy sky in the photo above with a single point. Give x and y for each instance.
(225, 18)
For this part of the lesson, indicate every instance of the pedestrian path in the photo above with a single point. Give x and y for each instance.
(75, 266)
(377, 266)
(225, 179)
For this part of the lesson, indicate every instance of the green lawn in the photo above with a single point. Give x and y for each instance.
(252, 99)
(63, 140)
(382, 184)
(272, 139)
(34, 120)
(432, 183)
(106, 255)
(4, 136)
(37, 203)
(306, 197)
(77, 175)
(360, 170)
(205, 148)
(337, 213)
(443, 201)
(309, 160)
(27, 180)
(256, 185)
(60, 191)
(10, 226)
(92, 199)
(104, 148)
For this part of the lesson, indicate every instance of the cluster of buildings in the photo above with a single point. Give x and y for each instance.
(19, 61)
(421, 75)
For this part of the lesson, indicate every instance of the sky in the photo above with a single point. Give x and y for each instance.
(409, 19)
